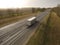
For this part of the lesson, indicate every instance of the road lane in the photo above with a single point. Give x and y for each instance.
(9, 30)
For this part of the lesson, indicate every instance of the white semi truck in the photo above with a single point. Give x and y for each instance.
(31, 21)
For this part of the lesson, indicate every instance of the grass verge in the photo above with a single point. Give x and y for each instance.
(52, 30)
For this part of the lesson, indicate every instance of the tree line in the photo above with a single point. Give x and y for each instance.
(6, 13)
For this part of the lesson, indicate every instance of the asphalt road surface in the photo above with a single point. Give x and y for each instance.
(17, 33)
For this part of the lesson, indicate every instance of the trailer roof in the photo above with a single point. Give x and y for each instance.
(31, 19)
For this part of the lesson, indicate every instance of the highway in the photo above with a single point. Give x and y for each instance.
(17, 33)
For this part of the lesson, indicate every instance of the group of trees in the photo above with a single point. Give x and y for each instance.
(4, 13)
(38, 9)
(57, 10)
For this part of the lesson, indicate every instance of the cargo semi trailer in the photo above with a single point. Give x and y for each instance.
(31, 21)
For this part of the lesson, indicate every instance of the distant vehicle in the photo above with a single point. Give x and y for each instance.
(31, 21)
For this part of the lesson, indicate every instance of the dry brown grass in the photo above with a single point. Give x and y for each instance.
(53, 35)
